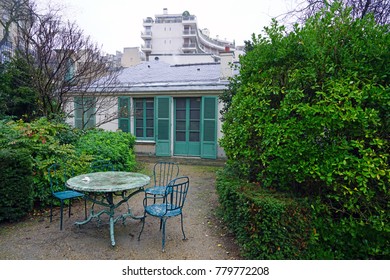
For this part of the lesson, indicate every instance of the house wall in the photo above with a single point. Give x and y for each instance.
(147, 147)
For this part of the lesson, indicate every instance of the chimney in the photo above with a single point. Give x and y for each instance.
(165, 11)
(226, 64)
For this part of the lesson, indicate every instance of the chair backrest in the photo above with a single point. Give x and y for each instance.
(164, 172)
(176, 193)
(58, 174)
(101, 165)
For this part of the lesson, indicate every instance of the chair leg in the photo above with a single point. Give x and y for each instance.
(142, 229)
(163, 221)
(182, 228)
(61, 213)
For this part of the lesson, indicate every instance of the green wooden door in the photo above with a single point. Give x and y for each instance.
(187, 126)
(209, 127)
(163, 132)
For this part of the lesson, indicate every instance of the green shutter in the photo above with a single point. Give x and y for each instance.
(78, 111)
(84, 107)
(163, 132)
(124, 114)
(209, 128)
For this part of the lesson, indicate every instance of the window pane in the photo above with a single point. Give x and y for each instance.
(150, 113)
(149, 132)
(150, 123)
(180, 125)
(194, 125)
(149, 103)
(195, 102)
(180, 136)
(180, 102)
(138, 104)
(194, 136)
(144, 117)
(139, 123)
(139, 132)
(180, 114)
(139, 113)
(195, 114)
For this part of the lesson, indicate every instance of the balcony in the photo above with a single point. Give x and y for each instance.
(189, 20)
(146, 35)
(148, 21)
(146, 48)
(189, 47)
(189, 33)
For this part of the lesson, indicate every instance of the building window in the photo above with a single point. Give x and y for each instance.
(85, 112)
(144, 118)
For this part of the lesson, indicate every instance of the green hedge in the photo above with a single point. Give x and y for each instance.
(15, 184)
(118, 147)
(267, 225)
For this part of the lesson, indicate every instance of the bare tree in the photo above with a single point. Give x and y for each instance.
(360, 8)
(65, 64)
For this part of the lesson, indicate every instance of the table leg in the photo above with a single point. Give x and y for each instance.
(110, 210)
(112, 235)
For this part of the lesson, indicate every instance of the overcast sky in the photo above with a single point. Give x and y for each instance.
(116, 24)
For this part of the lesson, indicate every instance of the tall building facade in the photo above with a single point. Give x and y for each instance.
(177, 34)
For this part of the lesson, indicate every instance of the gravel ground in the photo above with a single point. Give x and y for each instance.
(36, 238)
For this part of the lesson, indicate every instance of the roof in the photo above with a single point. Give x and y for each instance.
(159, 76)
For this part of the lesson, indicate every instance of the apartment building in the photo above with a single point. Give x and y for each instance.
(179, 35)
(8, 32)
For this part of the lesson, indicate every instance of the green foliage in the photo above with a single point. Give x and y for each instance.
(267, 225)
(42, 139)
(309, 114)
(18, 98)
(49, 142)
(118, 147)
(16, 184)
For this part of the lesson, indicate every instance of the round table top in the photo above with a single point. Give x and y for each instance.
(109, 181)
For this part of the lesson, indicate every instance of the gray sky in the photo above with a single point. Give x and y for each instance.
(116, 24)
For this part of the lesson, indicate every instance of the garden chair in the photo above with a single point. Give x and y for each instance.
(57, 178)
(101, 165)
(172, 205)
(163, 173)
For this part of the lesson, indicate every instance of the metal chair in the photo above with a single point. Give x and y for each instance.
(163, 173)
(174, 198)
(57, 178)
(101, 165)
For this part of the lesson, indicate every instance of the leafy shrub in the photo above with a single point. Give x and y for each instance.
(309, 114)
(118, 147)
(41, 139)
(267, 225)
(16, 184)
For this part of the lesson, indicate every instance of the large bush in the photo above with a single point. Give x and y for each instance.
(118, 147)
(16, 184)
(44, 142)
(310, 114)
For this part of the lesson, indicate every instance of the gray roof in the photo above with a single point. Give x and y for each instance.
(158, 76)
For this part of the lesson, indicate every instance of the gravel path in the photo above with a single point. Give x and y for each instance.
(36, 238)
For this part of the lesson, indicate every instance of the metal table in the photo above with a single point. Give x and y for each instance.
(100, 188)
